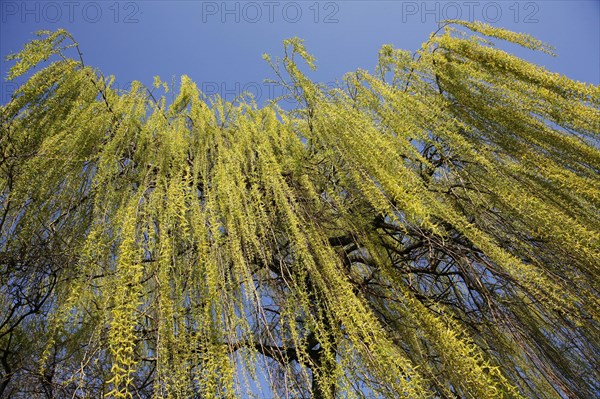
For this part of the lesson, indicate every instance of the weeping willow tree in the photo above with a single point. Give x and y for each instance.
(430, 229)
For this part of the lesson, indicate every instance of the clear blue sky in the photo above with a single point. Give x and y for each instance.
(219, 43)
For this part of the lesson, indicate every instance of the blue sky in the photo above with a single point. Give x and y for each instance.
(219, 44)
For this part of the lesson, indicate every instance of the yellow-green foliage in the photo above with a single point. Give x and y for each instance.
(427, 230)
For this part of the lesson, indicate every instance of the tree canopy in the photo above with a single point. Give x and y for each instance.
(429, 229)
